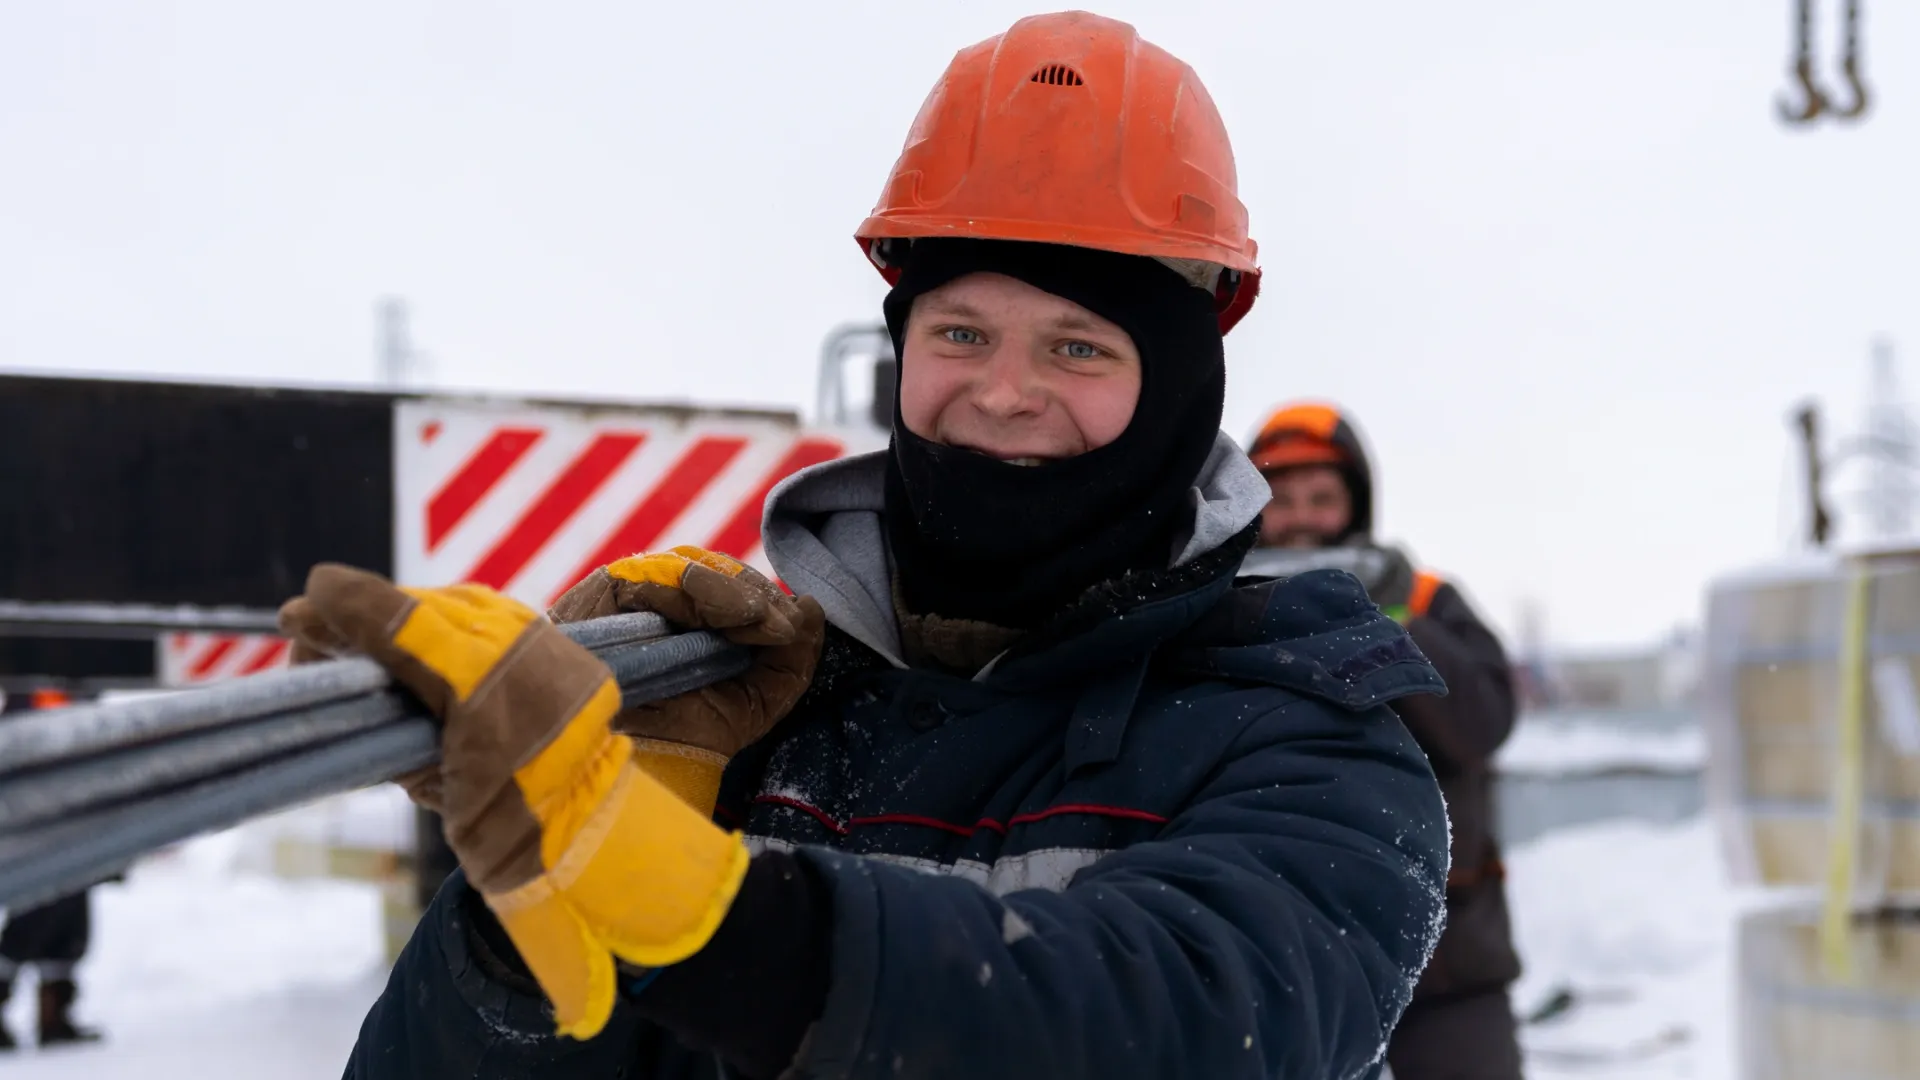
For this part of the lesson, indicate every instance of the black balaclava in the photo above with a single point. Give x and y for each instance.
(977, 538)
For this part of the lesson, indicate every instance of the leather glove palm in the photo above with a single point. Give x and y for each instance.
(687, 740)
(581, 854)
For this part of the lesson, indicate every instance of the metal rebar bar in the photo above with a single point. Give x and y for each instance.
(76, 806)
(104, 620)
(647, 671)
(42, 865)
(599, 634)
(34, 739)
(653, 671)
(57, 791)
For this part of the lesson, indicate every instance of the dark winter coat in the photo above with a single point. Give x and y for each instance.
(1180, 832)
(1460, 732)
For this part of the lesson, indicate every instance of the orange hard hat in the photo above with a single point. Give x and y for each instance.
(1069, 129)
(1303, 434)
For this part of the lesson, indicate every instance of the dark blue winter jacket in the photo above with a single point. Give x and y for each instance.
(1180, 836)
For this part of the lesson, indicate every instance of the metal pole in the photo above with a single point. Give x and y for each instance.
(128, 621)
(32, 797)
(1819, 520)
(58, 791)
(41, 738)
(86, 806)
(40, 866)
(394, 351)
(1889, 433)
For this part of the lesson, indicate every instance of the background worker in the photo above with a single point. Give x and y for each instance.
(1461, 1022)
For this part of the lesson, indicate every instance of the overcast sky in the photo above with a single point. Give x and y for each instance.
(1558, 259)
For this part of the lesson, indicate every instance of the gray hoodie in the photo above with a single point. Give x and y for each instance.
(823, 534)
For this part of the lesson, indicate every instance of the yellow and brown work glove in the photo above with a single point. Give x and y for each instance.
(686, 741)
(313, 641)
(581, 854)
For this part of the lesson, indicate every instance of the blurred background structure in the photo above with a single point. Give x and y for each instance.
(1575, 265)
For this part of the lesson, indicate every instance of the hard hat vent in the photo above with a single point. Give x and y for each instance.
(1058, 75)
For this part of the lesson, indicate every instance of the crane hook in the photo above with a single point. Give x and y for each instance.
(1850, 67)
(1816, 102)
(1861, 98)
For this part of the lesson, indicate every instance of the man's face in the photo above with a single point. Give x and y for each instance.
(1311, 507)
(994, 365)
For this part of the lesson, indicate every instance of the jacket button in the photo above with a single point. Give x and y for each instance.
(925, 715)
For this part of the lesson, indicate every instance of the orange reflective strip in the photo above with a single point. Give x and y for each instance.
(50, 699)
(1424, 586)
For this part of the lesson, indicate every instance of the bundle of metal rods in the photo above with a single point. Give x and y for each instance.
(85, 791)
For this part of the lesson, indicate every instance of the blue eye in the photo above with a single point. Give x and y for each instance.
(961, 335)
(1080, 350)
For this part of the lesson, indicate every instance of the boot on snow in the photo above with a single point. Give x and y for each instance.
(56, 1016)
(6, 1037)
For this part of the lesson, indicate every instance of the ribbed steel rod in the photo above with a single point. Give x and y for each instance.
(39, 866)
(78, 804)
(57, 791)
(33, 739)
(100, 620)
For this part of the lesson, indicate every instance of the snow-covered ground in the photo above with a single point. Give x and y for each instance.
(1637, 921)
(1541, 749)
(203, 967)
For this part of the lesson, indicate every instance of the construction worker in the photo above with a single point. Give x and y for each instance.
(1019, 783)
(1461, 1021)
(52, 938)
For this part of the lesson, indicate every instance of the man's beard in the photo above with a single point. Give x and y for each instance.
(1304, 540)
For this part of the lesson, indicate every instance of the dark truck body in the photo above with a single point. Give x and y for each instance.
(160, 493)
(179, 493)
(152, 493)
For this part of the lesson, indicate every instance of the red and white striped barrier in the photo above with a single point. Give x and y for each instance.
(531, 500)
(200, 659)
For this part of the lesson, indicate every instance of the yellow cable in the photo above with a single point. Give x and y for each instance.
(1843, 841)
